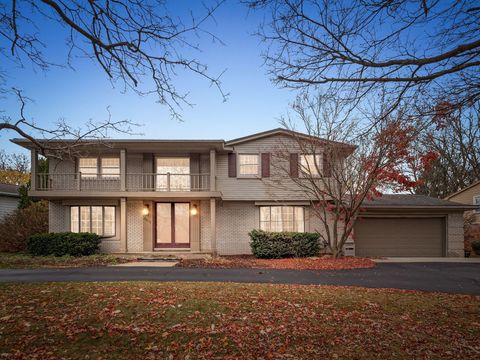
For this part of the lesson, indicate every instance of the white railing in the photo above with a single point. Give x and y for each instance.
(78, 182)
(134, 182)
(168, 182)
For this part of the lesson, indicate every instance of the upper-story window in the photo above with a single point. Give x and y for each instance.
(476, 201)
(173, 174)
(88, 167)
(310, 165)
(107, 167)
(248, 164)
(110, 167)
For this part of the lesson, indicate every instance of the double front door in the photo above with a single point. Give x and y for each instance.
(172, 225)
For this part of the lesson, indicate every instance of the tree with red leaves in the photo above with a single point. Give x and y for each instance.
(343, 176)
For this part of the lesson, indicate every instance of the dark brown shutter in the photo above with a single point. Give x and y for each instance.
(327, 167)
(294, 165)
(232, 165)
(266, 165)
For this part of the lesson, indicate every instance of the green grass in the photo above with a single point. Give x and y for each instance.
(25, 261)
(209, 320)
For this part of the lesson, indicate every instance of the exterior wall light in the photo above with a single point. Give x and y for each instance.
(146, 210)
(194, 210)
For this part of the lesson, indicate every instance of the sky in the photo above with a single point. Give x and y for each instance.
(254, 103)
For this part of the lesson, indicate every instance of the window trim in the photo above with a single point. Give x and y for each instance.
(304, 174)
(259, 166)
(477, 210)
(90, 219)
(281, 206)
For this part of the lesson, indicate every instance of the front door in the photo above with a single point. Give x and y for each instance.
(173, 225)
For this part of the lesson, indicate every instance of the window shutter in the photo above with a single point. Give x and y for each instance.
(327, 168)
(266, 165)
(294, 165)
(232, 165)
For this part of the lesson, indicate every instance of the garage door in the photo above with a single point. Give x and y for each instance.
(399, 237)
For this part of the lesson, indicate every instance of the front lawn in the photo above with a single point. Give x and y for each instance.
(25, 261)
(147, 320)
(317, 263)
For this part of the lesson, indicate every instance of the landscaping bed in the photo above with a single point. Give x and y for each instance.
(144, 320)
(312, 263)
(25, 261)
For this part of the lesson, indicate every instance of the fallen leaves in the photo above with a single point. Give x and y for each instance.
(316, 263)
(25, 261)
(217, 320)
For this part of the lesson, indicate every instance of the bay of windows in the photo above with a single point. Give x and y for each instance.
(282, 218)
(96, 219)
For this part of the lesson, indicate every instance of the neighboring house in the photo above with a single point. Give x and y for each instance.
(9, 199)
(204, 196)
(471, 196)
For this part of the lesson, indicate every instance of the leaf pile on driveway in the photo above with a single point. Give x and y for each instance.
(216, 320)
(317, 263)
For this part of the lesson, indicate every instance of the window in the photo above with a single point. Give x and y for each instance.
(249, 164)
(179, 170)
(310, 164)
(87, 167)
(96, 219)
(476, 201)
(110, 167)
(282, 218)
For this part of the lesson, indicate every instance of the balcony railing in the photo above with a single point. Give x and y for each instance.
(134, 182)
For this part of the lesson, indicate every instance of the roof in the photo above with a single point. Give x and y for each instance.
(408, 201)
(462, 190)
(282, 131)
(130, 143)
(217, 144)
(9, 190)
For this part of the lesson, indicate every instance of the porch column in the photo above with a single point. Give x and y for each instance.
(123, 225)
(123, 170)
(34, 169)
(213, 170)
(213, 227)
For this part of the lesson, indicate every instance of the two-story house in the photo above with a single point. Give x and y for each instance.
(204, 196)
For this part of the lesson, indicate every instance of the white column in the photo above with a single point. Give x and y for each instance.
(123, 170)
(34, 169)
(213, 227)
(123, 225)
(213, 170)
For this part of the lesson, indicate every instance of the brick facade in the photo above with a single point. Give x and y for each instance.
(455, 237)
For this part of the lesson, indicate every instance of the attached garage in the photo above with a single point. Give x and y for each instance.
(410, 226)
(404, 237)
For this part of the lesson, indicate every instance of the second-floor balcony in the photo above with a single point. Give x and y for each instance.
(141, 182)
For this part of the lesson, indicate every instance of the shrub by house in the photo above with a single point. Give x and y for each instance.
(275, 245)
(61, 244)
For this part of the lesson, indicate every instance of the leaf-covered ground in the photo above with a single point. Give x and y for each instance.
(317, 263)
(25, 261)
(217, 320)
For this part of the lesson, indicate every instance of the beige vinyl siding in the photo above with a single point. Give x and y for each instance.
(241, 188)
(466, 197)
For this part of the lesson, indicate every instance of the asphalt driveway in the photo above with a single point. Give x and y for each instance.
(458, 278)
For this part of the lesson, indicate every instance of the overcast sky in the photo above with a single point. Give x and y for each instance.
(254, 103)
